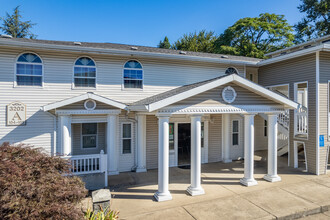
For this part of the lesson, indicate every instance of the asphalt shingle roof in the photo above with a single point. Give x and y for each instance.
(173, 92)
(139, 48)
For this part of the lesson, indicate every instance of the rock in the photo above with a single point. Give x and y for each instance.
(101, 199)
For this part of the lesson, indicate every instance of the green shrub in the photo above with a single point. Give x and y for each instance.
(106, 214)
(33, 185)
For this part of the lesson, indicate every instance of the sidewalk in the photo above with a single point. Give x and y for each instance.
(298, 194)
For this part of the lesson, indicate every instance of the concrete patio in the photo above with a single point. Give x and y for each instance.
(298, 194)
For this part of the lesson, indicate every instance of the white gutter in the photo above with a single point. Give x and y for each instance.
(77, 48)
(293, 55)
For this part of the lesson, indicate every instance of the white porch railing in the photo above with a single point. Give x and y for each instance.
(89, 164)
(301, 121)
(284, 119)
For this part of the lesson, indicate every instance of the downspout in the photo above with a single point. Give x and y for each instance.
(135, 139)
(54, 134)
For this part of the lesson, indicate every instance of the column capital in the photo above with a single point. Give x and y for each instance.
(196, 115)
(249, 114)
(163, 115)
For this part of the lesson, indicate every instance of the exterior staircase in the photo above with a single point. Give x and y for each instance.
(283, 132)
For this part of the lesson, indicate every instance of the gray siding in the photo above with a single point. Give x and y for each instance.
(215, 138)
(261, 141)
(323, 109)
(292, 71)
(152, 141)
(214, 97)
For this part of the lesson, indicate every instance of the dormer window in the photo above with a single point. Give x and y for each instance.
(133, 75)
(231, 70)
(29, 70)
(84, 73)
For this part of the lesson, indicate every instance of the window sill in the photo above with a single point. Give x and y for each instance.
(84, 88)
(28, 87)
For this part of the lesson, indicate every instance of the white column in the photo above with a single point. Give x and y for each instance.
(248, 179)
(163, 194)
(226, 138)
(272, 150)
(112, 153)
(65, 127)
(141, 144)
(195, 171)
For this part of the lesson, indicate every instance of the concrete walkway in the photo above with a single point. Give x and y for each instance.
(299, 194)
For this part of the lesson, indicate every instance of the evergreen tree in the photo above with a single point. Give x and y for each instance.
(14, 26)
(165, 43)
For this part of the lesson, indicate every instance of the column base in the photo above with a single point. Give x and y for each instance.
(195, 191)
(112, 173)
(227, 161)
(248, 182)
(272, 178)
(161, 197)
(140, 170)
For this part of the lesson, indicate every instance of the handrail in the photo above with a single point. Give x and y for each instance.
(301, 121)
(88, 164)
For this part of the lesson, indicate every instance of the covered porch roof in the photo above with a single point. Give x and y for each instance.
(83, 97)
(164, 100)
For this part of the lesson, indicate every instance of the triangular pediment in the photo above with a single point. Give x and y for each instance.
(78, 102)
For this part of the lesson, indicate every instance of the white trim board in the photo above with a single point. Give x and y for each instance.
(81, 98)
(228, 79)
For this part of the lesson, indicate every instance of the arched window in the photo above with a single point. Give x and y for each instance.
(29, 70)
(231, 70)
(84, 72)
(133, 74)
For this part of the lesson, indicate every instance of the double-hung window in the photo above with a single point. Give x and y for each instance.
(29, 70)
(133, 75)
(89, 135)
(235, 132)
(127, 138)
(84, 73)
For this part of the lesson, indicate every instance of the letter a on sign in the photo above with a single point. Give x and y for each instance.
(16, 114)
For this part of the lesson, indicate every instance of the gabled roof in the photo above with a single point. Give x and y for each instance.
(81, 98)
(175, 95)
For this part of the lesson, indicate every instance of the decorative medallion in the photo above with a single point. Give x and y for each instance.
(229, 94)
(90, 104)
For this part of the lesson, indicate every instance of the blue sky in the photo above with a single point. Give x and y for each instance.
(140, 22)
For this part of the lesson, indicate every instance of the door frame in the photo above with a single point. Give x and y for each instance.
(185, 120)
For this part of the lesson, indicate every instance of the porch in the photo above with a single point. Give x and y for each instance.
(225, 196)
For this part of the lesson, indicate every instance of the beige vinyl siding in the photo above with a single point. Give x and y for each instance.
(214, 97)
(254, 72)
(324, 109)
(292, 71)
(215, 138)
(76, 140)
(80, 105)
(159, 76)
(152, 141)
(261, 141)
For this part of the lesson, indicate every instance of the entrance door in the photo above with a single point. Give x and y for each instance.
(184, 134)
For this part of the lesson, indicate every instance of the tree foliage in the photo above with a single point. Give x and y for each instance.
(32, 186)
(256, 36)
(202, 41)
(14, 26)
(316, 22)
(165, 43)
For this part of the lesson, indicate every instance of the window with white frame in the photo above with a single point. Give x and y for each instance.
(235, 132)
(89, 135)
(202, 134)
(127, 138)
(133, 75)
(84, 73)
(265, 128)
(29, 70)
